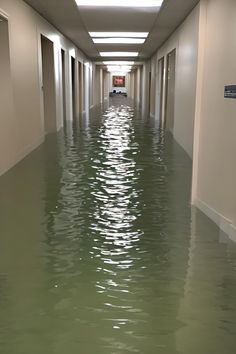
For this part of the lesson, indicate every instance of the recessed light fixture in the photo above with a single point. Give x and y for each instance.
(114, 73)
(111, 70)
(119, 68)
(119, 40)
(120, 3)
(118, 62)
(119, 54)
(118, 34)
(118, 71)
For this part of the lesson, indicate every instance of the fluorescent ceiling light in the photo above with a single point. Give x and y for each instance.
(119, 40)
(119, 54)
(118, 71)
(118, 62)
(120, 3)
(119, 68)
(114, 73)
(119, 34)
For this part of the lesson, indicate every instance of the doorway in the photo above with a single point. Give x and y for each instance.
(63, 62)
(48, 85)
(73, 88)
(80, 80)
(170, 91)
(135, 87)
(160, 87)
(141, 85)
(84, 88)
(6, 103)
(149, 91)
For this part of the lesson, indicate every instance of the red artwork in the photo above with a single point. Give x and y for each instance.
(118, 81)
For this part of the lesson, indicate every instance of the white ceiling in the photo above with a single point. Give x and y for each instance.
(75, 23)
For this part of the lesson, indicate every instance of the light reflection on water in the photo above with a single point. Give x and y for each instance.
(100, 251)
(114, 190)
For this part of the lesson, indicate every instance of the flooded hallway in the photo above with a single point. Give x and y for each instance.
(117, 198)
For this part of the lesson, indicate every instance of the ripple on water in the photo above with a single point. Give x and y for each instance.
(105, 254)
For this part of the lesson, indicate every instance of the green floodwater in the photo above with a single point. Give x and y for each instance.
(101, 253)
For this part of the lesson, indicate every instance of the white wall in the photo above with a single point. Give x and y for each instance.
(22, 123)
(185, 41)
(205, 121)
(215, 143)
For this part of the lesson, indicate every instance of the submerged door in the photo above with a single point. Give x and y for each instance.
(170, 91)
(149, 91)
(73, 88)
(160, 87)
(48, 85)
(81, 87)
(63, 83)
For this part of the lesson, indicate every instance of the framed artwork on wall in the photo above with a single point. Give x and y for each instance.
(118, 81)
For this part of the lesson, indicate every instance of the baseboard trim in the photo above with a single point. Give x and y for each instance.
(224, 224)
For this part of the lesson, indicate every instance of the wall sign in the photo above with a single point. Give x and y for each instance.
(230, 91)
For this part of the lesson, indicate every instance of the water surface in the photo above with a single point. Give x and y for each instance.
(101, 253)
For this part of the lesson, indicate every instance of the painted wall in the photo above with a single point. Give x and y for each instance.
(215, 144)
(205, 122)
(185, 40)
(22, 123)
